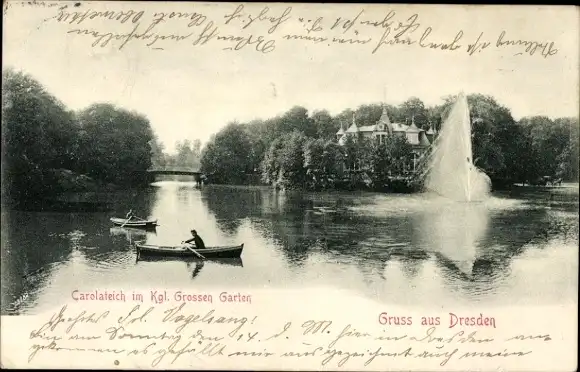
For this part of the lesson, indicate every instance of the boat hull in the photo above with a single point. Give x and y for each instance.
(180, 251)
(229, 261)
(142, 224)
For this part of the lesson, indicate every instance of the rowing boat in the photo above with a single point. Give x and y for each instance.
(181, 251)
(229, 261)
(134, 223)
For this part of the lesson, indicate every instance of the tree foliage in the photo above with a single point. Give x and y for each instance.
(227, 158)
(114, 143)
(551, 147)
(503, 147)
(38, 134)
(43, 141)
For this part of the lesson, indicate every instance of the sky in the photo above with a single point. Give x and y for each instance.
(191, 92)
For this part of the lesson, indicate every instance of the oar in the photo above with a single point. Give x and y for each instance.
(123, 225)
(194, 251)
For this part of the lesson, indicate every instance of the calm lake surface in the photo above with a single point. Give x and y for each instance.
(520, 247)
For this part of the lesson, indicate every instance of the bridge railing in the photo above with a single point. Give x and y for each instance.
(174, 169)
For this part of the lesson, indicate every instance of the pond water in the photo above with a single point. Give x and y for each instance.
(520, 247)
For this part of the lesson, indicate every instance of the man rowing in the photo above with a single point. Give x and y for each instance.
(130, 215)
(196, 239)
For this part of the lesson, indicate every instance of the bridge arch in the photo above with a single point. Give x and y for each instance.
(196, 174)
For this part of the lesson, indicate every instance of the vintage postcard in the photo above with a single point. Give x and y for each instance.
(289, 186)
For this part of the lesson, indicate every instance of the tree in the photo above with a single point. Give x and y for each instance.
(434, 117)
(259, 133)
(368, 114)
(227, 158)
(529, 167)
(296, 120)
(333, 160)
(364, 152)
(114, 144)
(196, 148)
(350, 153)
(414, 109)
(188, 154)
(291, 160)
(158, 156)
(553, 144)
(494, 134)
(380, 163)
(570, 156)
(38, 135)
(326, 127)
(313, 161)
(343, 120)
(323, 161)
(400, 154)
(270, 165)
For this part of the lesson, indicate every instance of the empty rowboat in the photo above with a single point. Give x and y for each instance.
(232, 251)
(144, 224)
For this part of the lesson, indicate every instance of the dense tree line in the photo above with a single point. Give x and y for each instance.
(187, 155)
(298, 149)
(48, 148)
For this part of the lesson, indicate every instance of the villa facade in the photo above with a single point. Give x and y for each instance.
(419, 139)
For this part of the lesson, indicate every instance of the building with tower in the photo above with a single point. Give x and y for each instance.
(420, 139)
(383, 129)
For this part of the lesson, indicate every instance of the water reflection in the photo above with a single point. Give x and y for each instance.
(238, 262)
(400, 248)
(231, 205)
(453, 231)
(36, 244)
(131, 235)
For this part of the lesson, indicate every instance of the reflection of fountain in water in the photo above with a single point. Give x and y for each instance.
(453, 232)
(451, 170)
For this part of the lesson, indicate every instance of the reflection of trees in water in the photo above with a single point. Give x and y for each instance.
(185, 195)
(34, 244)
(231, 205)
(272, 214)
(513, 230)
(102, 242)
(377, 240)
(287, 220)
(469, 243)
(300, 223)
(364, 241)
(31, 244)
(472, 246)
(509, 233)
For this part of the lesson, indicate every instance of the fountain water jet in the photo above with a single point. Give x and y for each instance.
(451, 172)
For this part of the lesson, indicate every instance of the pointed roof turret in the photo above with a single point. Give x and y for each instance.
(353, 128)
(385, 120)
(341, 130)
(413, 127)
(385, 116)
